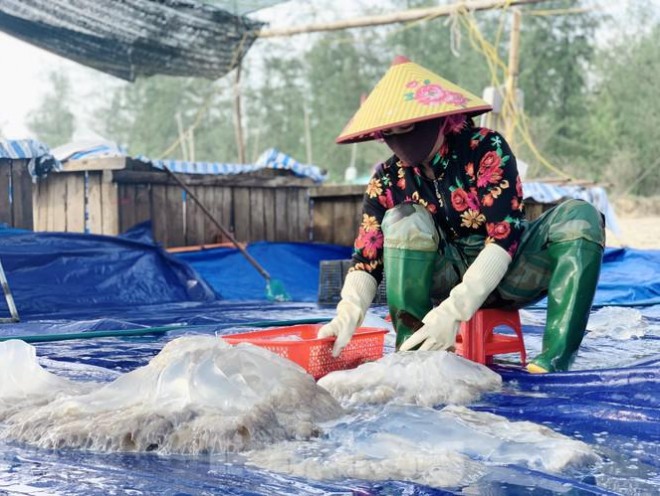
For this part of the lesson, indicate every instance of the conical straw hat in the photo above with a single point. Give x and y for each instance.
(408, 93)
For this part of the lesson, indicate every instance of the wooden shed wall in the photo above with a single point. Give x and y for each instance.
(252, 209)
(15, 194)
(275, 208)
(337, 213)
(59, 203)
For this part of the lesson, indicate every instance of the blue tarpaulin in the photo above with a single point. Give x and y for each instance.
(71, 282)
(63, 272)
(629, 277)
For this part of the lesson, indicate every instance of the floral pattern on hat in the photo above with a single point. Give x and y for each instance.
(427, 93)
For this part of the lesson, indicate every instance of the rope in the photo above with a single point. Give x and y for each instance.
(494, 62)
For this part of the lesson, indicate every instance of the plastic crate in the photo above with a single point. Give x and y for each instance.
(299, 344)
(331, 280)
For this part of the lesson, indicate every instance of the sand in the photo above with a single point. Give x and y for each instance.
(639, 219)
(638, 232)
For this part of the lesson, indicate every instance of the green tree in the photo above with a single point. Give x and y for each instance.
(556, 58)
(275, 108)
(443, 47)
(340, 69)
(53, 122)
(624, 126)
(143, 117)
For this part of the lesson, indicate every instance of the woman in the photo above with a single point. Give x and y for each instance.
(443, 220)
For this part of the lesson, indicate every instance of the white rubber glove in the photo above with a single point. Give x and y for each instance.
(357, 294)
(481, 278)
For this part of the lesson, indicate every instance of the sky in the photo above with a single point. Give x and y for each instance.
(24, 85)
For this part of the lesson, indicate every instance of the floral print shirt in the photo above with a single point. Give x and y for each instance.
(477, 190)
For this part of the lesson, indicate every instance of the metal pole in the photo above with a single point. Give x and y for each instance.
(8, 296)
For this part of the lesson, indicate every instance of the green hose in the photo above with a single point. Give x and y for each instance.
(44, 338)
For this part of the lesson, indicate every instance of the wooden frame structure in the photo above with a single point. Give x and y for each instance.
(103, 197)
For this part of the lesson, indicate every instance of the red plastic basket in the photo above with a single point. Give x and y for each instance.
(299, 344)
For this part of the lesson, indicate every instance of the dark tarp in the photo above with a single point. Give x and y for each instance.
(131, 38)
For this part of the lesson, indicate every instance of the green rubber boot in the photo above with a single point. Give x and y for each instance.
(409, 278)
(570, 295)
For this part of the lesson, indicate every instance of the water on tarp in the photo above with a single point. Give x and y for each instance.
(446, 448)
(392, 431)
(202, 396)
(615, 337)
(620, 324)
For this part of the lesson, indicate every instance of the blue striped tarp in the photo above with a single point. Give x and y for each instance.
(270, 159)
(596, 195)
(40, 159)
(88, 149)
(22, 149)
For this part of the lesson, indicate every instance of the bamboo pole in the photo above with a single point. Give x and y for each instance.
(182, 136)
(238, 125)
(308, 135)
(404, 16)
(511, 103)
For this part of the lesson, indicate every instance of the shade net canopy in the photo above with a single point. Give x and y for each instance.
(131, 38)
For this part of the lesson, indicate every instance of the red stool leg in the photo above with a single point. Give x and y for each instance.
(480, 332)
(480, 342)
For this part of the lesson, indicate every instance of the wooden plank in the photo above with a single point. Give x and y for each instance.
(126, 199)
(337, 190)
(292, 214)
(40, 203)
(175, 220)
(191, 234)
(142, 203)
(109, 205)
(257, 226)
(344, 214)
(242, 214)
(322, 214)
(195, 229)
(75, 202)
(212, 199)
(269, 213)
(93, 164)
(160, 222)
(281, 215)
(21, 184)
(237, 180)
(227, 213)
(304, 217)
(6, 216)
(56, 216)
(95, 204)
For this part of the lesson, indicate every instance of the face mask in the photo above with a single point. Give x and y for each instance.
(415, 146)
